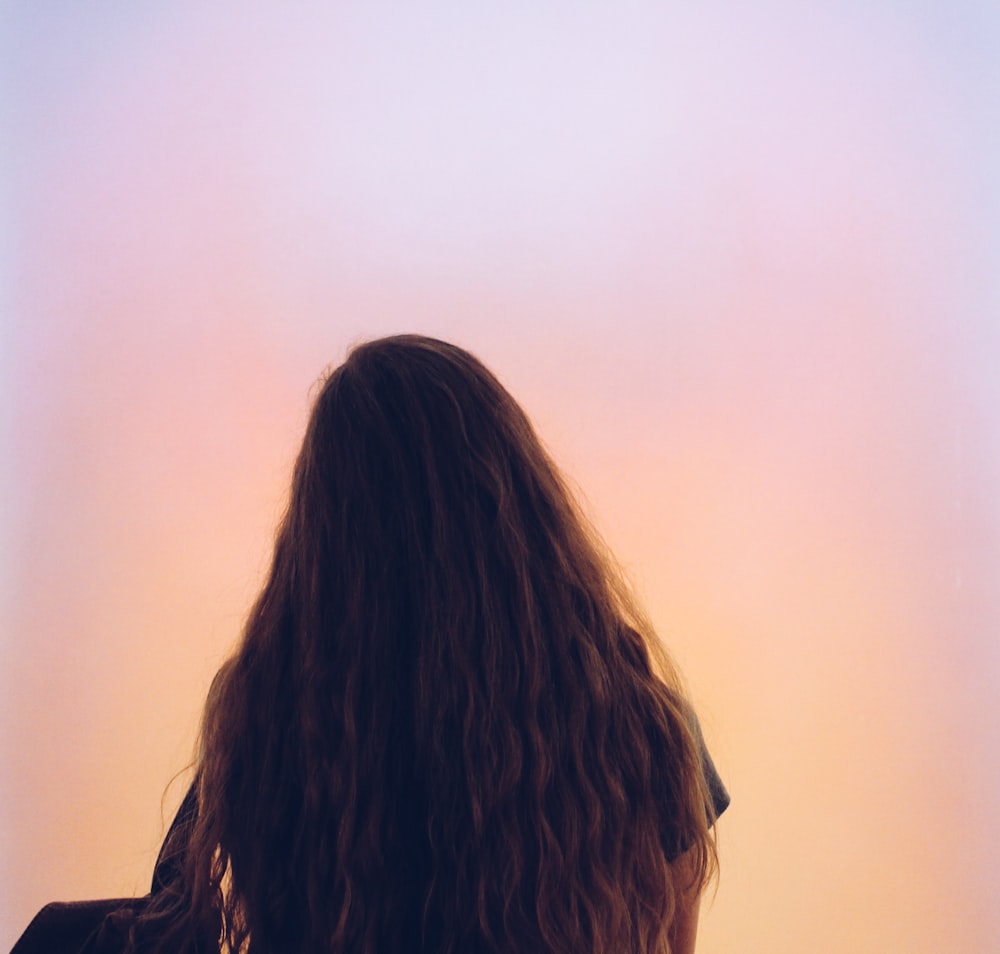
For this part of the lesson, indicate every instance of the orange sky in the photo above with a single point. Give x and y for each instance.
(740, 271)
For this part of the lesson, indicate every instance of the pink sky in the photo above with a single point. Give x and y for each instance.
(740, 269)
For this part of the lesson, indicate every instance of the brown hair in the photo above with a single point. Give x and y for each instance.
(448, 727)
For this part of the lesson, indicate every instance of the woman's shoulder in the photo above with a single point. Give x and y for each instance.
(80, 927)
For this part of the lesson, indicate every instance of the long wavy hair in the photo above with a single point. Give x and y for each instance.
(448, 726)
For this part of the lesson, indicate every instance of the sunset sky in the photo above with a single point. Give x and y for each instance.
(741, 267)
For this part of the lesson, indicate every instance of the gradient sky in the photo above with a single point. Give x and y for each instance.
(741, 266)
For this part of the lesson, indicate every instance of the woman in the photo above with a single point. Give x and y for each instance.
(448, 726)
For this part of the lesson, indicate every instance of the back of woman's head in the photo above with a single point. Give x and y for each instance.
(443, 730)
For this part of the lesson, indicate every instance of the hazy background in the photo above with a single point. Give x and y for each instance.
(739, 263)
